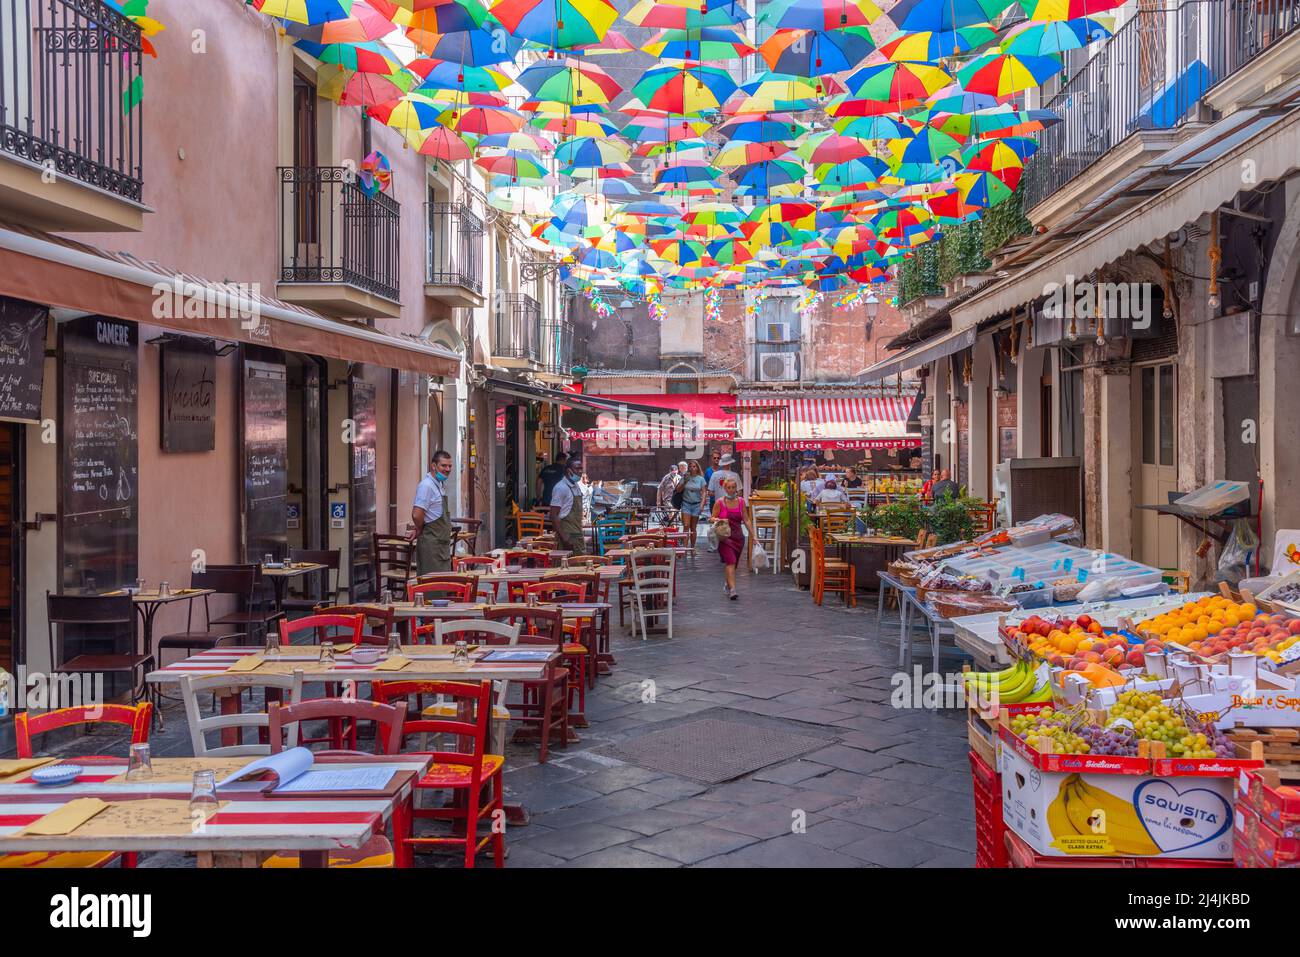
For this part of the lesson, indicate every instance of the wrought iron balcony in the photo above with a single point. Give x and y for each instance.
(453, 254)
(70, 81)
(1150, 76)
(341, 249)
(557, 347)
(517, 329)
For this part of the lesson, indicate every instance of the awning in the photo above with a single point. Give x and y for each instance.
(601, 404)
(62, 273)
(1272, 155)
(920, 354)
(840, 422)
(678, 419)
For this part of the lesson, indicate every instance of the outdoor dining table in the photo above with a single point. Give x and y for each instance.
(874, 548)
(146, 604)
(280, 575)
(250, 826)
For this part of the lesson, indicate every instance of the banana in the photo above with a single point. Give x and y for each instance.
(1014, 692)
(1042, 694)
(1077, 808)
(1057, 819)
(1122, 824)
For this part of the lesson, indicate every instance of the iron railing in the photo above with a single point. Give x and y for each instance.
(332, 232)
(557, 346)
(1150, 75)
(518, 327)
(69, 91)
(453, 247)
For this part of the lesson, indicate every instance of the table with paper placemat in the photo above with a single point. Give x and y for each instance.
(102, 811)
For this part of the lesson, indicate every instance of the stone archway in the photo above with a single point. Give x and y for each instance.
(1279, 390)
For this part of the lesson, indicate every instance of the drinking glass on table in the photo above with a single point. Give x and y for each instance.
(268, 559)
(460, 655)
(203, 798)
(139, 586)
(272, 642)
(139, 763)
(419, 599)
(394, 643)
(165, 590)
(327, 654)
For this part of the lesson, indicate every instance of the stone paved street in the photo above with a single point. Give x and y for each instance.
(881, 788)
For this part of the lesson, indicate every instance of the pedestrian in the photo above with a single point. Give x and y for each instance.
(588, 491)
(831, 493)
(945, 488)
(693, 491)
(729, 510)
(714, 456)
(720, 475)
(429, 515)
(678, 493)
(667, 485)
(549, 477)
(927, 490)
(566, 509)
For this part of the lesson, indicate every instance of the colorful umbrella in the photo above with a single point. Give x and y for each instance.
(441, 143)
(930, 46)
(811, 53)
(591, 151)
(569, 81)
(305, 11)
(471, 47)
(918, 16)
(1001, 74)
(818, 14)
(684, 91)
(368, 57)
(1066, 9)
(831, 147)
(1058, 36)
(897, 82)
(709, 44)
(363, 23)
(556, 23)
(687, 15)
(349, 88)
(447, 75)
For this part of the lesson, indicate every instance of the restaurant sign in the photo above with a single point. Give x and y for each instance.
(189, 373)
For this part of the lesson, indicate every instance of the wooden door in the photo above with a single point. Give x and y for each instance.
(1155, 472)
(9, 531)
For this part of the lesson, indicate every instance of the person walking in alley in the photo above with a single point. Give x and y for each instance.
(729, 514)
(566, 509)
(667, 486)
(549, 477)
(429, 515)
(722, 473)
(693, 491)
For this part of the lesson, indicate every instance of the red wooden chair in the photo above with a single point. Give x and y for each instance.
(597, 590)
(579, 647)
(377, 623)
(464, 563)
(468, 774)
(378, 850)
(451, 591)
(544, 703)
(27, 725)
(339, 629)
(527, 559)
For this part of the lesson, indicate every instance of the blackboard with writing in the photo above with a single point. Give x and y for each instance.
(265, 459)
(189, 396)
(99, 491)
(365, 470)
(22, 358)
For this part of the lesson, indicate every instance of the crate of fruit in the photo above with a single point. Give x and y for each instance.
(1283, 595)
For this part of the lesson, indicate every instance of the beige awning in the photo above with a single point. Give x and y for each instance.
(59, 272)
(920, 354)
(1274, 153)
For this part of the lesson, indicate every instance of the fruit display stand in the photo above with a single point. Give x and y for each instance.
(1092, 805)
(985, 759)
(1267, 818)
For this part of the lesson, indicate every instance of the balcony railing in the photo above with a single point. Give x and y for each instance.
(69, 76)
(333, 233)
(454, 247)
(1150, 76)
(557, 347)
(518, 327)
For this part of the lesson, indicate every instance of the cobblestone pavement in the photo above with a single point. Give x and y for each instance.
(880, 788)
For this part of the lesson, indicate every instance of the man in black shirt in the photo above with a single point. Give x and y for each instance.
(550, 477)
(945, 487)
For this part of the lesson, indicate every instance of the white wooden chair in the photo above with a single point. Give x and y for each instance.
(767, 532)
(290, 687)
(652, 586)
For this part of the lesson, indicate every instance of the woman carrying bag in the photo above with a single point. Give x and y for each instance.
(730, 522)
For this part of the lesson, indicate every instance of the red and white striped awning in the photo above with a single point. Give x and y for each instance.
(841, 422)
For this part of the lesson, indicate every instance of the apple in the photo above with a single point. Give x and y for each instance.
(1136, 658)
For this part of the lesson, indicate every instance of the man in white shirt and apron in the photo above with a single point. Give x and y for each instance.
(566, 509)
(430, 515)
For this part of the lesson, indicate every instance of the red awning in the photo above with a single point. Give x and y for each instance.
(839, 422)
(686, 419)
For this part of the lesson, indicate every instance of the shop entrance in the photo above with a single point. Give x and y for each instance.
(1155, 431)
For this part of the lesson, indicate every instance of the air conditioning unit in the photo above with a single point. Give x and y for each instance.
(778, 367)
(778, 331)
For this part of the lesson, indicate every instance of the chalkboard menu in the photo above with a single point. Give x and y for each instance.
(365, 472)
(264, 464)
(99, 451)
(189, 395)
(22, 359)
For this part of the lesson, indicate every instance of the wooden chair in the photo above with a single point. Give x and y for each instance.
(388, 721)
(837, 519)
(526, 558)
(479, 632)
(248, 617)
(330, 559)
(830, 574)
(1178, 581)
(579, 646)
(236, 583)
(652, 588)
(394, 562)
(104, 620)
(530, 523)
(377, 623)
(339, 629)
(587, 561)
(466, 530)
(466, 773)
(609, 531)
(467, 563)
(449, 590)
(137, 718)
(984, 516)
(544, 703)
(287, 686)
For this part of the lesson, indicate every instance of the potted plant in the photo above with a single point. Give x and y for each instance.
(903, 517)
(950, 519)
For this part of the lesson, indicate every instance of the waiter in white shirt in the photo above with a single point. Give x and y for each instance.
(566, 509)
(429, 514)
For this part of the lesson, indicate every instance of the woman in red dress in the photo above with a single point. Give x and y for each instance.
(731, 509)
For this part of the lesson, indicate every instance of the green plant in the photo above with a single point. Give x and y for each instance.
(1005, 221)
(950, 520)
(903, 517)
(961, 251)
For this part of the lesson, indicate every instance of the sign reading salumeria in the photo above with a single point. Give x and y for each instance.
(22, 359)
(189, 373)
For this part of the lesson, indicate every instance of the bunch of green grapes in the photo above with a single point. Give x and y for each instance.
(1049, 724)
(1154, 720)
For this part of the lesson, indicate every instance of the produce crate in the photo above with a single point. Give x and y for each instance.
(990, 849)
(1273, 746)
(1020, 854)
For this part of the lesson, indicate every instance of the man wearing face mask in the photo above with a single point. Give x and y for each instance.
(566, 509)
(430, 515)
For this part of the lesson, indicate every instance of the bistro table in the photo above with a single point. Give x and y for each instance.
(280, 575)
(242, 832)
(147, 603)
(888, 545)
